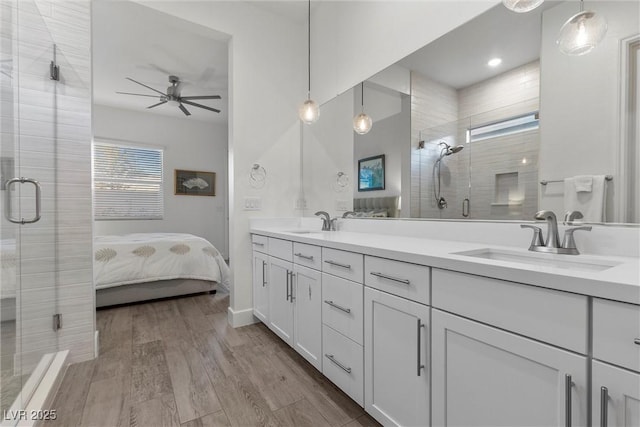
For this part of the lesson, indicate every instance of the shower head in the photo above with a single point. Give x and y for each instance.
(453, 150)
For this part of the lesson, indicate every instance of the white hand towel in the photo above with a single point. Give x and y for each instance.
(592, 204)
(583, 183)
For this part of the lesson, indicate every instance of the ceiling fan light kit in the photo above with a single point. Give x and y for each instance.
(173, 97)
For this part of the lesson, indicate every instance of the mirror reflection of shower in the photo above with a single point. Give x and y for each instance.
(445, 151)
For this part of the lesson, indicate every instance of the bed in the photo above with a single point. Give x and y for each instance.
(144, 266)
(376, 207)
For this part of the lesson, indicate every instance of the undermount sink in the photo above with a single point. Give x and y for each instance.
(542, 260)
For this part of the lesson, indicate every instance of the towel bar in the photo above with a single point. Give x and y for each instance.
(545, 182)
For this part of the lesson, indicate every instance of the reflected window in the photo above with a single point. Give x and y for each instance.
(127, 182)
(504, 127)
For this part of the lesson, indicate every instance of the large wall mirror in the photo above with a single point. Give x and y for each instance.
(492, 121)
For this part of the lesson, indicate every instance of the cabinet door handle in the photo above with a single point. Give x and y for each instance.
(288, 294)
(420, 365)
(309, 257)
(264, 274)
(604, 406)
(568, 383)
(332, 304)
(291, 297)
(395, 279)
(340, 365)
(636, 341)
(337, 264)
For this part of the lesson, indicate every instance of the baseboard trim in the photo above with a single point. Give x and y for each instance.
(239, 318)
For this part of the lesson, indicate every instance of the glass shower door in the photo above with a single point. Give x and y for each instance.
(29, 174)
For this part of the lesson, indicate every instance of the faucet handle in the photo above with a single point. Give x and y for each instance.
(568, 242)
(333, 224)
(537, 239)
(570, 216)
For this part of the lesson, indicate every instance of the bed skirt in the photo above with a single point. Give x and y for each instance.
(151, 290)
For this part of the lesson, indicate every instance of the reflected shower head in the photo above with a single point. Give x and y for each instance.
(453, 150)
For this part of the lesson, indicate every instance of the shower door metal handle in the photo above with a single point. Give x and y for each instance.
(466, 205)
(22, 180)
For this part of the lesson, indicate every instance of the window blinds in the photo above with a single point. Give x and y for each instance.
(127, 182)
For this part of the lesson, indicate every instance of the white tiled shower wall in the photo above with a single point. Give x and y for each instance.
(53, 121)
(509, 94)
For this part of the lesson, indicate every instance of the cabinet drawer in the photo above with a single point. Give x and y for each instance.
(616, 333)
(282, 249)
(343, 363)
(347, 265)
(342, 306)
(555, 317)
(307, 255)
(260, 243)
(399, 278)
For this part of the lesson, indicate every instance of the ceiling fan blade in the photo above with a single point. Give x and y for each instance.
(155, 105)
(200, 106)
(202, 97)
(184, 110)
(148, 87)
(137, 94)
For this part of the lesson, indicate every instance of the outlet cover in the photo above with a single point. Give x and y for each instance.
(300, 204)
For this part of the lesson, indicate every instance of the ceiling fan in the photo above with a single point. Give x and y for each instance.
(172, 97)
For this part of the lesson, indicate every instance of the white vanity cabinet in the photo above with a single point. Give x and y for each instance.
(504, 371)
(307, 302)
(260, 278)
(397, 366)
(616, 365)
(280, 298)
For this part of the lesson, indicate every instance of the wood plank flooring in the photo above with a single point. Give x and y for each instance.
(178, 363)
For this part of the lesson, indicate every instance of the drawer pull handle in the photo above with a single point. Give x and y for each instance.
(309, 257)
(636, 341)
(340, 365)
(568, 383)
(332, 304)
(337, 264)
(258, 244)
(604, 406)
(395, 279)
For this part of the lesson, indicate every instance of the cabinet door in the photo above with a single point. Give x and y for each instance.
(307, 331)
(280, 301)
(483, 376)
(620, 399)
(261, 286)
(396, 334)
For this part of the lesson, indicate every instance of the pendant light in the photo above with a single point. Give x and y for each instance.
(362, 122)
(309, 110)
(582, 32)
(521, 6)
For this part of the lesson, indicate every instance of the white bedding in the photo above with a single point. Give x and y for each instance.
(147, 257)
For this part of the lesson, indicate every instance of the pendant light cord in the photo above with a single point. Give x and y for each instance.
(362, 98)
(309, 49)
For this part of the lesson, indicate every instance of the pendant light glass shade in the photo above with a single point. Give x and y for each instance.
(581, 33)
(521, 6)
(362, 123)
(309, 111)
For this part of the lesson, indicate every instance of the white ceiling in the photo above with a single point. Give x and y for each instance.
(459, 58)
(131, 40)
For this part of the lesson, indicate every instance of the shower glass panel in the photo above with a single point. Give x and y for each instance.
(28, 232)
(481, 167)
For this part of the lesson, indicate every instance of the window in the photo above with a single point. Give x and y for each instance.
(127, 182)
(504, 127)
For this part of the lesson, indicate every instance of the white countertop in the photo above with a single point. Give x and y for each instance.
(620, 282)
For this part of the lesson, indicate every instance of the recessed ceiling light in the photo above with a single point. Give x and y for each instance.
(494, 62)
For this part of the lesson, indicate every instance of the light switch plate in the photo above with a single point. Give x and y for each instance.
(252, 203)
(342, 205)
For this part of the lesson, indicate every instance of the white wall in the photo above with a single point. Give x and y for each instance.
(267, 83)
(353, 40)
(569, 122)
(188, 144)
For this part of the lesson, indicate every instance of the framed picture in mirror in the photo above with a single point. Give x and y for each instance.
(195, 183)
(371, 173)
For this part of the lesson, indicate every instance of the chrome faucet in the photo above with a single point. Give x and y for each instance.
(568, 246)
(552, 240)
(570, 216)
(347, 214)
(326, 220)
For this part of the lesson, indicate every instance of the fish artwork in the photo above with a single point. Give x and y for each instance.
(195, 183)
